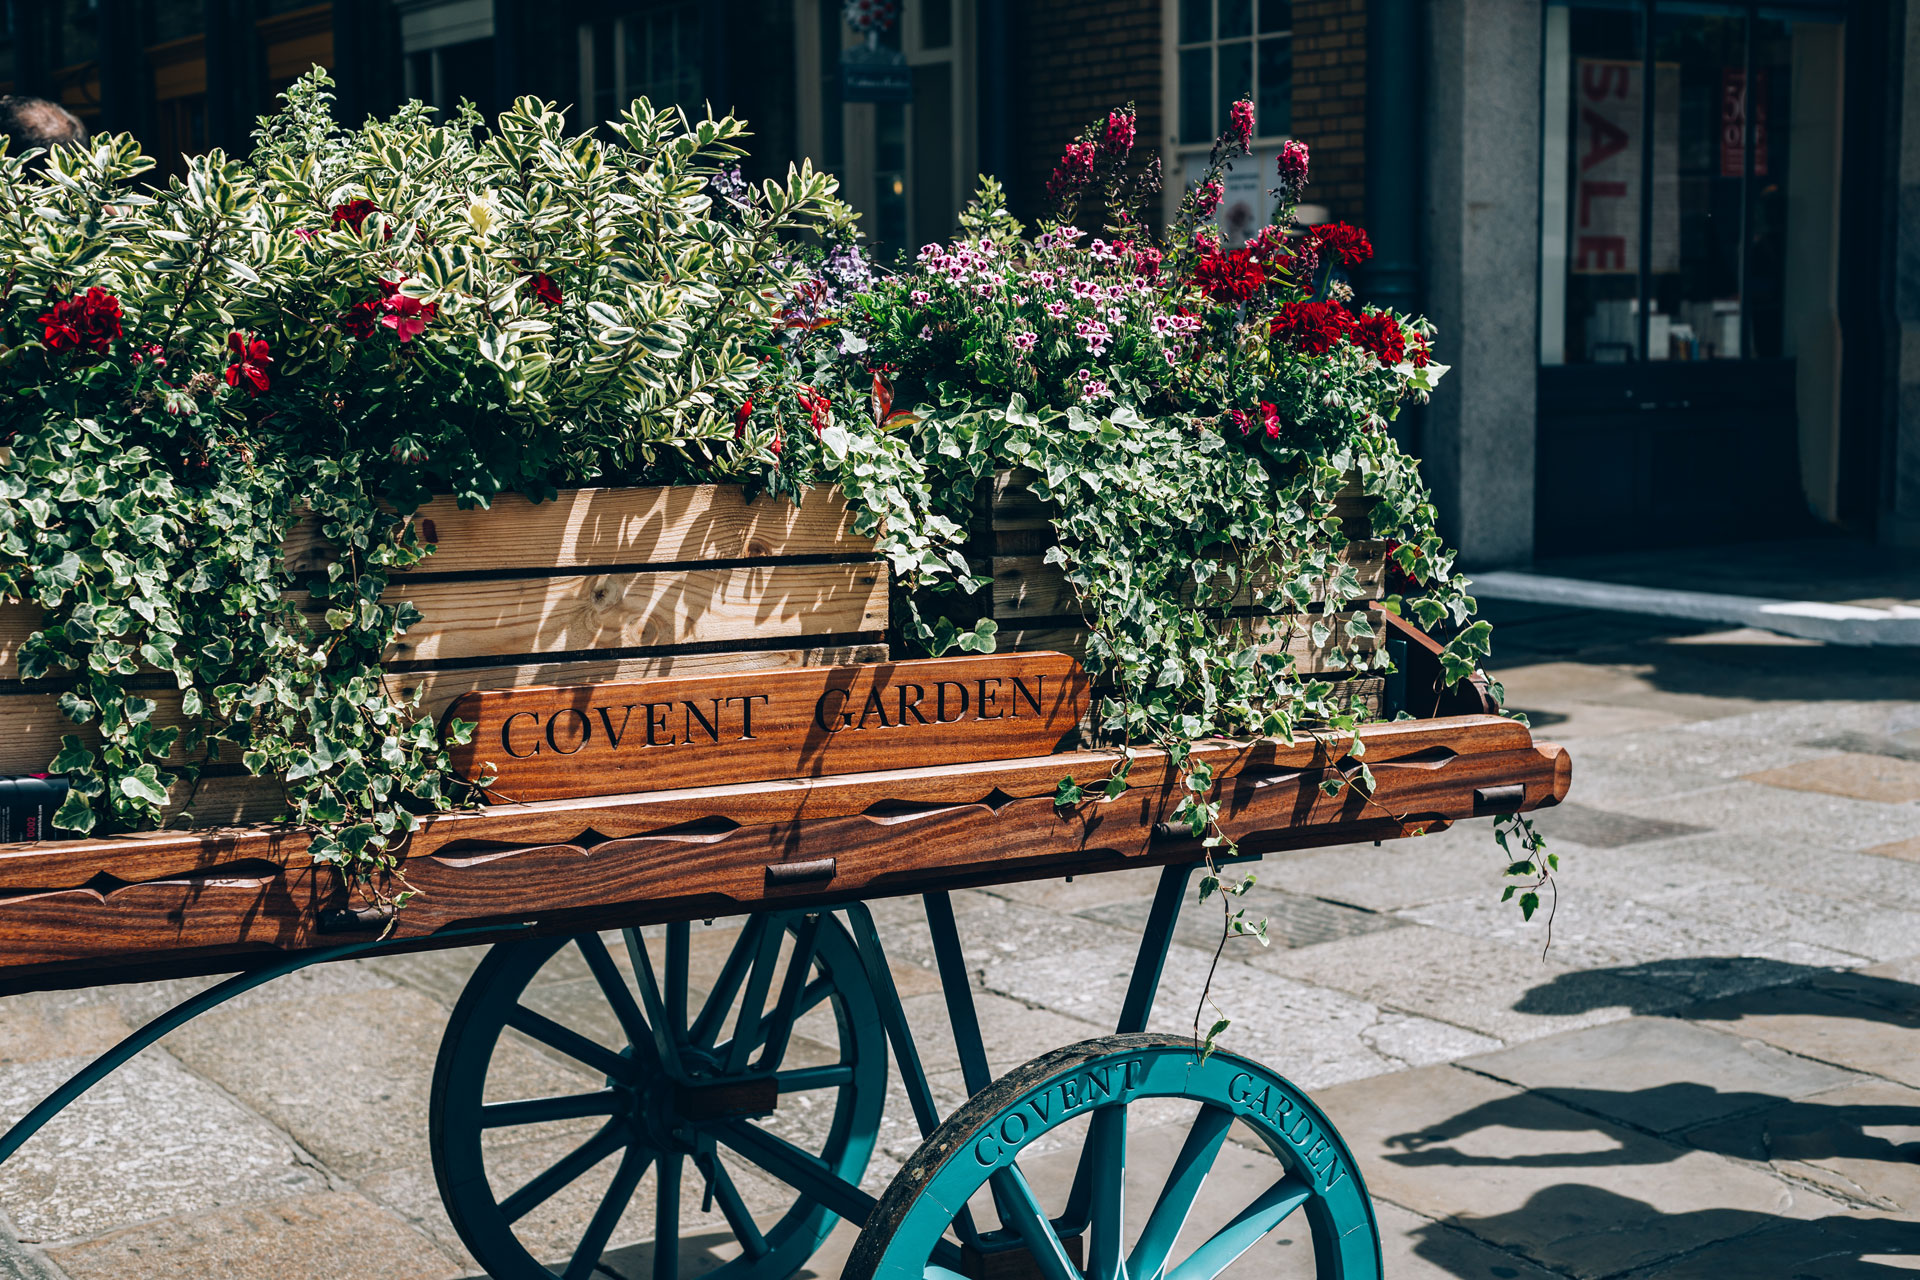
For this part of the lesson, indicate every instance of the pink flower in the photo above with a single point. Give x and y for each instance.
(1118, 139)
(1240, 125)
(1058, 310)
(1271, 417)
(1207, 197)
(1095, 334)
(1074, 172)
(920, 297)
(1293, 169)
(1024, 341)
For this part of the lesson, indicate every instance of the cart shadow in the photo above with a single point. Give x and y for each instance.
(1717, 1242)
(1822, 1142)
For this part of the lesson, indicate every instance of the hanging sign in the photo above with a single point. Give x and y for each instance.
(691, 731)
(1733, 122)
(875, 73)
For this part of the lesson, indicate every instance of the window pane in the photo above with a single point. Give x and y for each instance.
(1590, 246)
(1196, 21)
(1275, 114)
(1699, 164)
(832, 118)
(1236, 18)
(890, 177)
(1196, 95)
(1276, 15)
(1236, 76)
(933, 204)
(606, 94)
(936, 24)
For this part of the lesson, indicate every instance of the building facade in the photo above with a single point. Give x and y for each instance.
(1673, 247)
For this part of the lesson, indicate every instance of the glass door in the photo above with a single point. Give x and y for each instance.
(906, 164)
(1688, 333)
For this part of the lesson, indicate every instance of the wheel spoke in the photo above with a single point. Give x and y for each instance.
(613, 984)
(746, 1026)
(779, 1027)
(569, 1042)
(1190, 1169)
(817, 990)
(714, 1012)
(664, 1045)
(1245, 1231)
(1107, 1243)
(677, 975)
(734, 1209)
(801, 1170)
(571, 1106)
(666, 1218)
(563, 1173)
(1030, 1220)
(803, 1078)
(586, 1255)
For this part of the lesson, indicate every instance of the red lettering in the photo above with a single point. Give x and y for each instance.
(1600, 253)
(1602, 80)
(1590, 189)
(1605, 139)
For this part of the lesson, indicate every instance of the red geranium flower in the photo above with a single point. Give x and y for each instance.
(1229, 278)
(1422, 350)
(90, 320)
(1381, 334)
(1271, 417)
(250, 361)
(1312, 328)
(545, 289)
(407, 317)
(1346, 242)
(354, 213)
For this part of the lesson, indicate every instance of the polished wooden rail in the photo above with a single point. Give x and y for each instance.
(88, 911)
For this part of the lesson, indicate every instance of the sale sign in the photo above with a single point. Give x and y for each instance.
(1610, 130)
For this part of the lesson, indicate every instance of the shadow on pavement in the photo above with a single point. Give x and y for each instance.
(1803, 1130)
(1736, 1244)
(1758, 987)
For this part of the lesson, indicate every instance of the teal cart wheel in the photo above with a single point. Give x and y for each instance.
(1078, 1099)
(676, 1093)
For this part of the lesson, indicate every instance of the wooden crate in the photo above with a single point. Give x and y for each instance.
(597, 585)
(1037, 609)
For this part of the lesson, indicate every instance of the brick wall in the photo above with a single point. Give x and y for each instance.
(1330, 99)
(1072, 62)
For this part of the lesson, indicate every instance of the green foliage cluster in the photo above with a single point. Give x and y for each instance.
(335, 329)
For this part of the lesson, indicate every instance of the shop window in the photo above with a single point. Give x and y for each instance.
(1678, 212)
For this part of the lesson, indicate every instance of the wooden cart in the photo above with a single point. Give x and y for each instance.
(815, 823)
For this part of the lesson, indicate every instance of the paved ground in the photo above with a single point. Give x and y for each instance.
(1714, 1071)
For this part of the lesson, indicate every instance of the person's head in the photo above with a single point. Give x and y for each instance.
(35, 122)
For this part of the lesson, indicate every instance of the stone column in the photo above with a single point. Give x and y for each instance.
(1899, 522)
(1482, 251)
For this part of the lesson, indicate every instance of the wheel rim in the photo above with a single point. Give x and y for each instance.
(919, 1228)
(670, 1093)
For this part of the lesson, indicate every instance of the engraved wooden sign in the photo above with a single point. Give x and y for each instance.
(656, 735)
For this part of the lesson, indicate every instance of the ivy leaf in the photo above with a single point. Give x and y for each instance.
(74, 814)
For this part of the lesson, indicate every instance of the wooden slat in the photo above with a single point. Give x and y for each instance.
(549, 743)
(17, 622)
(34, 725)
(508, 617)
(1027, 586)
(59, 864)
(585, 528)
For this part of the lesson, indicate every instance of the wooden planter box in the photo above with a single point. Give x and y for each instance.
(639, 583)
(600, 584)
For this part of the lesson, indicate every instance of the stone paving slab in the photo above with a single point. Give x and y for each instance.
(1880, 778)
(1462, 980)
(1858, 1143)
(151, 1141)
(1661, 1075)
(325, 1236)
(1815, 1024)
